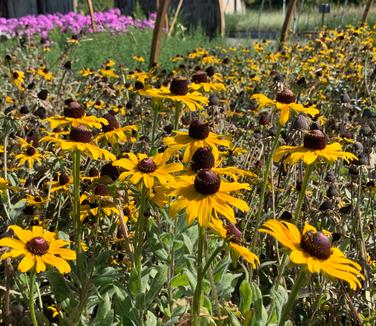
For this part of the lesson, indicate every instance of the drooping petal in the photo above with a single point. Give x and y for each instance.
(26, 263)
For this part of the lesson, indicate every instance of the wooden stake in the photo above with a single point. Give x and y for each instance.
(91, 12)
(157, 33)
(366, 11)
(172, 25)
(286, 24)
(222, 18)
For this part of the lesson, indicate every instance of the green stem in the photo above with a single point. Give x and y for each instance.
(303, 188)
(198, 289)
(76, 198)
(292, 297)
(139, 236)
(154, 126)
(264, 186)
(177, 115)
(31, 298)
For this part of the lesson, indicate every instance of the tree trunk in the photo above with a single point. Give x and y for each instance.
(366, 11)
(157, 33)
(287, 22)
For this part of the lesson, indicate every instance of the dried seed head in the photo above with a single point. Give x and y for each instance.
(109, 170)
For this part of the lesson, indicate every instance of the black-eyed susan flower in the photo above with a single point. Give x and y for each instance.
(285, 102)
(79, 140)
(204, 196)
(138, 58)
(198, 135)
(201, 82)
(74, 115)
(63, 183)
(314, 249)
(234, 238)
(140, 167)
(203, 158)
(178, 92)
(18, 79)
(113, 133)
(314, 147)
(39, 248)
(31, 156)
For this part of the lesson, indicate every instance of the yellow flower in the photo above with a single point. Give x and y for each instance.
(148, 169)
(233, 236)
(197, 136)
(18, 79)
(138, 58)
(39, 247)
(314, 147)
(108, 72)
(206, 194)
(313, 249)
(178, 92)
(44, 72)
(31, 156)
(90, 121)
(80, 139)
(86, 72)
(201, 82)
(285, 104)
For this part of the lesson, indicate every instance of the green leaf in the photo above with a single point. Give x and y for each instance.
(151, 319)
(156, 284)
(280, 296)
(105, 314)
(245, 297)
(179, 280)
(260, 315)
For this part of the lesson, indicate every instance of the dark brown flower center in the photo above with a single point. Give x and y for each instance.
(316, 244)
(37, 246)
(207, 182)
(30, 151)
(63, 179)
(315, 139)
(233, 233)
(110, 170)
(202, 159)
(74, 110)
(286, 96)
(93, 172)
(198, 129)
(147, 165)
(112, 123)
(101, 190)
(200, 77)
(179, 86)
(81, 134)
(210, 71)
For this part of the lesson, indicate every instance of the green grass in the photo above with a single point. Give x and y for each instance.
(94, 49)
(309, 20)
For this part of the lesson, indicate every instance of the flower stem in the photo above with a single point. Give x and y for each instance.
(139, 237)
(154, 126)
(198, 289)
(292, 297)
(31, 298)
(76, 198)
(177, 114)
(303, 188)
(264, 185)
